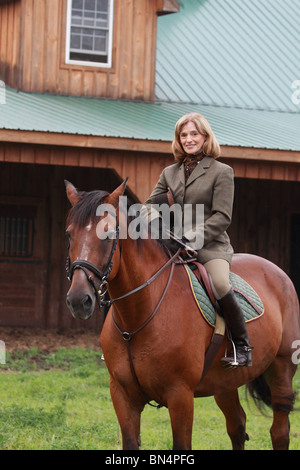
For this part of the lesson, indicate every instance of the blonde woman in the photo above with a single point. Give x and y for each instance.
(198, 177)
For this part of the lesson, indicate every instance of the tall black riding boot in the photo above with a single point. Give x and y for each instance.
(234, 319)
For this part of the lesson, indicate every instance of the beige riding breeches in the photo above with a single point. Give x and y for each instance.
(219, 272)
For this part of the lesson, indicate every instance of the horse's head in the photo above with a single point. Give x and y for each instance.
(92, 229)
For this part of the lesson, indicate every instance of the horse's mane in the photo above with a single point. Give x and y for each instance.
(86, 207)
(85, 210)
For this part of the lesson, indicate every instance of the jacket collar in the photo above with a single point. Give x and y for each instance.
(198, 171)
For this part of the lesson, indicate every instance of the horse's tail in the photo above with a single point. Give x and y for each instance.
(260, 392)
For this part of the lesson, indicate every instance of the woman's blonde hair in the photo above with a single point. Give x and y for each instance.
(210, 147)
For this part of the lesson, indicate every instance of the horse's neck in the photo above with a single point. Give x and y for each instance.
(137, 265)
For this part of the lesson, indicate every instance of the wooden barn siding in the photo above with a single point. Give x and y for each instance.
(32, 51)
(33, 291)
(10, 24)
(267, 170)
(142, 168)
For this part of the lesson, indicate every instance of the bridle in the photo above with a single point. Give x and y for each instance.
(87, 266)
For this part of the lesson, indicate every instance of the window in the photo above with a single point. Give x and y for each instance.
(16, 236)
(89, 32)
(16, 231)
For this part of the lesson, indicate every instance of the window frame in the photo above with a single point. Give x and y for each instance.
(87, 63)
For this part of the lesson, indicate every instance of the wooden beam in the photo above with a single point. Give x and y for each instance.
(84, 141)
(260, 154)
(137, 145)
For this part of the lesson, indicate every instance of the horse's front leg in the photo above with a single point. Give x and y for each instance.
(181, 410)
(129, 416)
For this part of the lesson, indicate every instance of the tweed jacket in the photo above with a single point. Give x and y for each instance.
(212, 184)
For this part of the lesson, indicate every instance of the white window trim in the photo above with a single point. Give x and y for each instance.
(107, 64)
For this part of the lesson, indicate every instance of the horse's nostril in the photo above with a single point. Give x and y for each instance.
(87, 301)
(80, 304)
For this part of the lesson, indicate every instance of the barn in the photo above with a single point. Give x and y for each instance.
(90, 91)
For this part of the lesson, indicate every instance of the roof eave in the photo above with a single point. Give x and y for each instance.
(141, 145)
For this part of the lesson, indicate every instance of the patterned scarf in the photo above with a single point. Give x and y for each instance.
(190, 162)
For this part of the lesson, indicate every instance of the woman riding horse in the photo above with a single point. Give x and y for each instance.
(198, 178)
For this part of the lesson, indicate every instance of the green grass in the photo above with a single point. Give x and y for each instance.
(62, 401)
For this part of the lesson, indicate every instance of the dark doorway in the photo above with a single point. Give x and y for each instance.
(295, 251)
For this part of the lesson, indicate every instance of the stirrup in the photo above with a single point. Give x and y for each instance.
(233, 364)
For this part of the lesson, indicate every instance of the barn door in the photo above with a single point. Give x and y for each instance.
(22, 262)
(295, 251)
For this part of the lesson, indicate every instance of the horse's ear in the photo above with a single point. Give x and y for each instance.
(113, 198)
(72, 193)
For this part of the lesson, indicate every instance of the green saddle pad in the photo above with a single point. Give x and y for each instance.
(249, 300)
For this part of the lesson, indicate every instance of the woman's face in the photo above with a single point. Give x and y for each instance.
(191, 140)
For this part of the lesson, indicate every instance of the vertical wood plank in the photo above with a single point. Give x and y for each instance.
(4, 62)
(26, 43)
(38, 46)
(76, 82)
(125, 44)
(51, 51)
(27, 154)
(150, 51)
(138, 52)
(88, 83)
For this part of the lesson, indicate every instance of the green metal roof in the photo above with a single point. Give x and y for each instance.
(235, 53)
(140, 120)
(234, 61)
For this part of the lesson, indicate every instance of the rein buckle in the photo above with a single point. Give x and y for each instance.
(103, 288)
(126, 336)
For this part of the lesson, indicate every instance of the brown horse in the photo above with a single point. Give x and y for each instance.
(162, 356)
